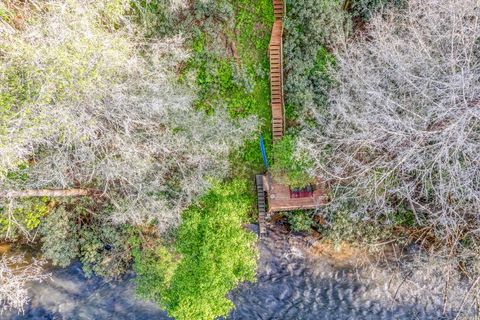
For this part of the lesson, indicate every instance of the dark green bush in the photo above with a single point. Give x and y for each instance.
(365, 8)
(344, 227)
(311, 26)
(72, 231)
(300, 220)
(105, 251)
(59, 237)
(155, 16)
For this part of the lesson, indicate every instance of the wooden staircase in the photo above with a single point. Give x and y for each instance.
(261, 206)
(276, 71)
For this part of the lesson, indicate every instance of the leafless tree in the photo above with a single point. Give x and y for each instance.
(404, 122)
(15, 275)
(108, 113)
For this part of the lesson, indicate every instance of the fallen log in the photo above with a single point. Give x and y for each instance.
(47, 193)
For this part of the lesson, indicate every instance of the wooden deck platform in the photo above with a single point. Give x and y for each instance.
(278, 196)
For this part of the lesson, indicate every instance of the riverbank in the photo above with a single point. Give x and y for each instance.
(295, 281)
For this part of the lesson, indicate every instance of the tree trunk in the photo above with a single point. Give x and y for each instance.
(46, 193)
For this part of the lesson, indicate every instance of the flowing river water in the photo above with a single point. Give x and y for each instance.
(294, 282)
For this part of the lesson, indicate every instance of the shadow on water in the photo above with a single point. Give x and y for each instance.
(290, 286)
(69, 295)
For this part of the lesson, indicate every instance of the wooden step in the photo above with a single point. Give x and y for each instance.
(261, 206)
(278, 8)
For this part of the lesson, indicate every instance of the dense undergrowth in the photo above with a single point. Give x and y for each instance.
(160, 104)
(230, 67)
(230, 71)
(195, 87)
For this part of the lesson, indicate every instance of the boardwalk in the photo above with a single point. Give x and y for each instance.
(276, 72)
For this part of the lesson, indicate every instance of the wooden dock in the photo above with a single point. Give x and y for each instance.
(280, 198)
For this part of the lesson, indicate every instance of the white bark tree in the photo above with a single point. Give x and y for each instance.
(15, 275)
(95, 105)
(404, 123)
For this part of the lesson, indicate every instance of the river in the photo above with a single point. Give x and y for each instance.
(293, 283)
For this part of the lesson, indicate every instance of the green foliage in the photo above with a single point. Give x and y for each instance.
(59, 236)
(212, 254)
(72, 231)
(210, 12)
(310, 26)
(104, 250)
(231, 68)
(365, 8)
(346, 228)
(345, 225)
(300, 220)
(155, 16)
(404, 217)
(19, 175)
(26, 215)
(5, 14)
(155, 269)
(288, 166)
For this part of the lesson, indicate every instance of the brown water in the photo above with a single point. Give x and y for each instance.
(292, 284)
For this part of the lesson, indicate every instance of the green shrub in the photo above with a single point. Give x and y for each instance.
(72, 231)
(300, 220)
(288, 166)
(310, 27)
(5, 14)
(155, 16)
(212, 11)
(365, 8)
(345, 226)
(211, 255)
(25, 217)
(104, 250)
(59, 236)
